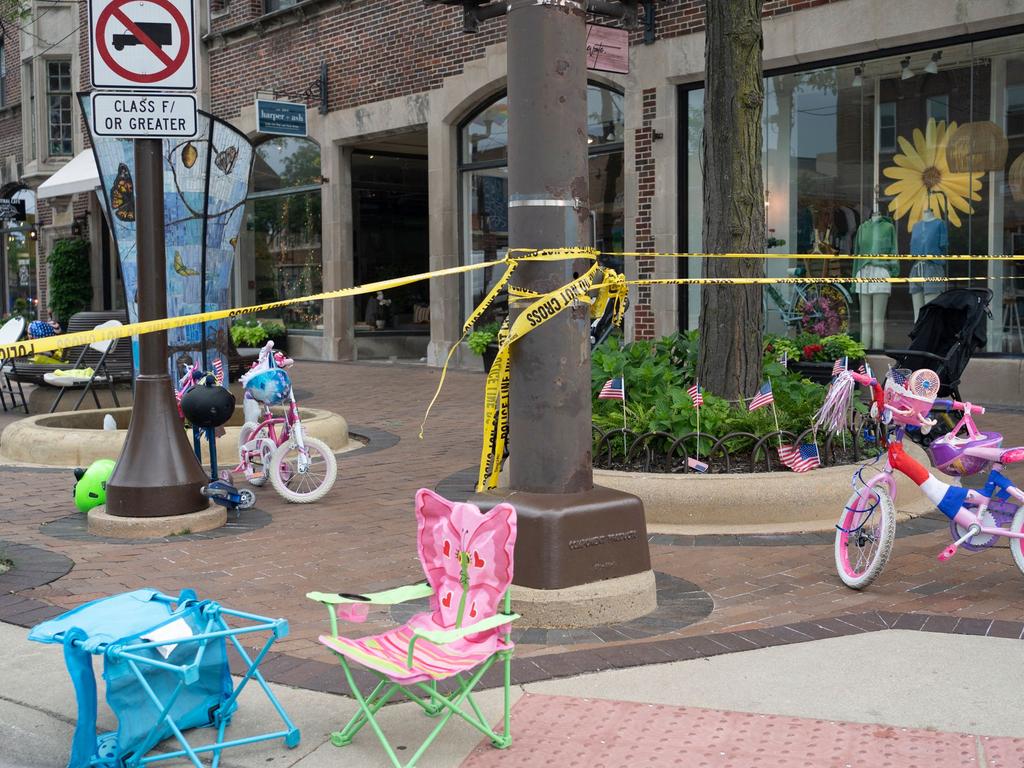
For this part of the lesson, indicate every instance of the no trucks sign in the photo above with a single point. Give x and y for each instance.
(145, 50)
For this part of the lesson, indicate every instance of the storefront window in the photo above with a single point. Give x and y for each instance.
(909, 155)
(484, 168)
(283, 230)
(20, 241)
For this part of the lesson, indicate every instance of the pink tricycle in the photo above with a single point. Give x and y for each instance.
(301, 468)
(978, 518)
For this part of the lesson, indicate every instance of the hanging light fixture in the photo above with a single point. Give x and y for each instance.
(1015, 178)
(905, 71)
(858, 76)
(932, 67)
(977, 147)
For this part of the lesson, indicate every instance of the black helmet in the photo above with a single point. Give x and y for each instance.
(207, 405)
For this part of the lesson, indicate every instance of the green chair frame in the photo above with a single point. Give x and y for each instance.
(433, 702)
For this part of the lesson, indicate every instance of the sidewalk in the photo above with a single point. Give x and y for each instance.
(890, 698)
(720, 597)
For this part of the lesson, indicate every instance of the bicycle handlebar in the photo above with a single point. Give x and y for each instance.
(956, 405)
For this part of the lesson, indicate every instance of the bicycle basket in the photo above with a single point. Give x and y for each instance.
(911, 395)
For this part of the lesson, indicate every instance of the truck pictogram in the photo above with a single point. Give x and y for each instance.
(159, 33)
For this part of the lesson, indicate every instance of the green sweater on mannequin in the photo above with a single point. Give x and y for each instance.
(877, 235)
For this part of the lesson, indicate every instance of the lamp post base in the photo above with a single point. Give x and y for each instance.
(157, 474)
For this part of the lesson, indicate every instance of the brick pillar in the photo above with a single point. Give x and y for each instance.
(643, 317)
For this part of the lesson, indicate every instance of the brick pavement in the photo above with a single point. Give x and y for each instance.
(362, 538)
(576, 732)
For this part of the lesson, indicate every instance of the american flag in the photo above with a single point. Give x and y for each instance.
(840, 365)
(613, 389)
(696, 465)
(864, 368)
(802, 459)
(899, 376)
(784, 359)
(762, 398)
(695, 395)
(218, 371)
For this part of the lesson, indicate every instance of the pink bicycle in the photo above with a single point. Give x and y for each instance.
(978, 518)
(301, 468)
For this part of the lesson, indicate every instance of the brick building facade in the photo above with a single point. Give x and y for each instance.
(404, 167)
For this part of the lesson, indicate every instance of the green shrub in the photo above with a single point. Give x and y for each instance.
(656, 376)
(248, 333)
(70, 279)
(482, 336)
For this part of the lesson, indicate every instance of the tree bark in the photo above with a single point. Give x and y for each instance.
(732, 316)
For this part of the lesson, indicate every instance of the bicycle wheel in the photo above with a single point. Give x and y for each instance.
(303, 478)
(823, 309)
(1017, 545)
(255, 461)
(864, 537)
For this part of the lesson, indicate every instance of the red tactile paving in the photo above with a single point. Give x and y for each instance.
(595, 733)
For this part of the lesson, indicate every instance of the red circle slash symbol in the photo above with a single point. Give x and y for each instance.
(171, 65)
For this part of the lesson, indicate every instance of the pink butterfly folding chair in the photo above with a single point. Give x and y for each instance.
(467, 558)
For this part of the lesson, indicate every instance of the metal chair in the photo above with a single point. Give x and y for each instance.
(10, 333)
(467, 557)
(99, 372)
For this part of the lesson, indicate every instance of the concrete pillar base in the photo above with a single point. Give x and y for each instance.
(587, 605)
(103, 524)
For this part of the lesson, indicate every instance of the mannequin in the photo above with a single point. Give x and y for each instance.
(929, 237)
(876, 236)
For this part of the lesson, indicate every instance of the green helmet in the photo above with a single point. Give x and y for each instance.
(91, 489)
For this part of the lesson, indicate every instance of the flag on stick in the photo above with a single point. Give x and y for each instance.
(762, 398)
(613, 390)
(695, 395)
(784, 359)
(802, 459)
(840, 365)
(218, 371)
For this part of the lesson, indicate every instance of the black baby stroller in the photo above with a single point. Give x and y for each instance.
(949, 329)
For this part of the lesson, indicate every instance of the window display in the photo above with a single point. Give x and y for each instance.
(910, 154)
(484, 169)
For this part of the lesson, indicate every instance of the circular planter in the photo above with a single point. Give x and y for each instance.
(809, 501)
(820, 373)
(77, 438)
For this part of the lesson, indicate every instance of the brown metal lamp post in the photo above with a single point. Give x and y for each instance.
(157, 474)
(571, 533)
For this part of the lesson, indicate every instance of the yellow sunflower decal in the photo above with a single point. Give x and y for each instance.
(922, 174)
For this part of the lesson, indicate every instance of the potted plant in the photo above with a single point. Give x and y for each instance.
(484, 342)
(248, 334)
(818, 355)
(276, 332)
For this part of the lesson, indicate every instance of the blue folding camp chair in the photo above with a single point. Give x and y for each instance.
(166, 668)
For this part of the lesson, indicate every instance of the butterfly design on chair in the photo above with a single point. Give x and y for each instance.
(122, 194)
(181, 268)
(467, 557)
(225, 159)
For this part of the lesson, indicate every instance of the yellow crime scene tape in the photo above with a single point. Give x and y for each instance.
(606, 283)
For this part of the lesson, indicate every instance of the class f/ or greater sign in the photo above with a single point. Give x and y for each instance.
(139, 115)
(142, 44)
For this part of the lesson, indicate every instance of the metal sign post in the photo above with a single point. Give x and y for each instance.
(141, 45)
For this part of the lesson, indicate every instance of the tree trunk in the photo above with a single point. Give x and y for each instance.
(732, 316)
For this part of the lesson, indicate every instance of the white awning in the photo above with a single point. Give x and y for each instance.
(79, 175)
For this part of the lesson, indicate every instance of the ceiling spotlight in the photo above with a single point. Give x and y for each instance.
(858, 79)
(932, 67)
(906, 72)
